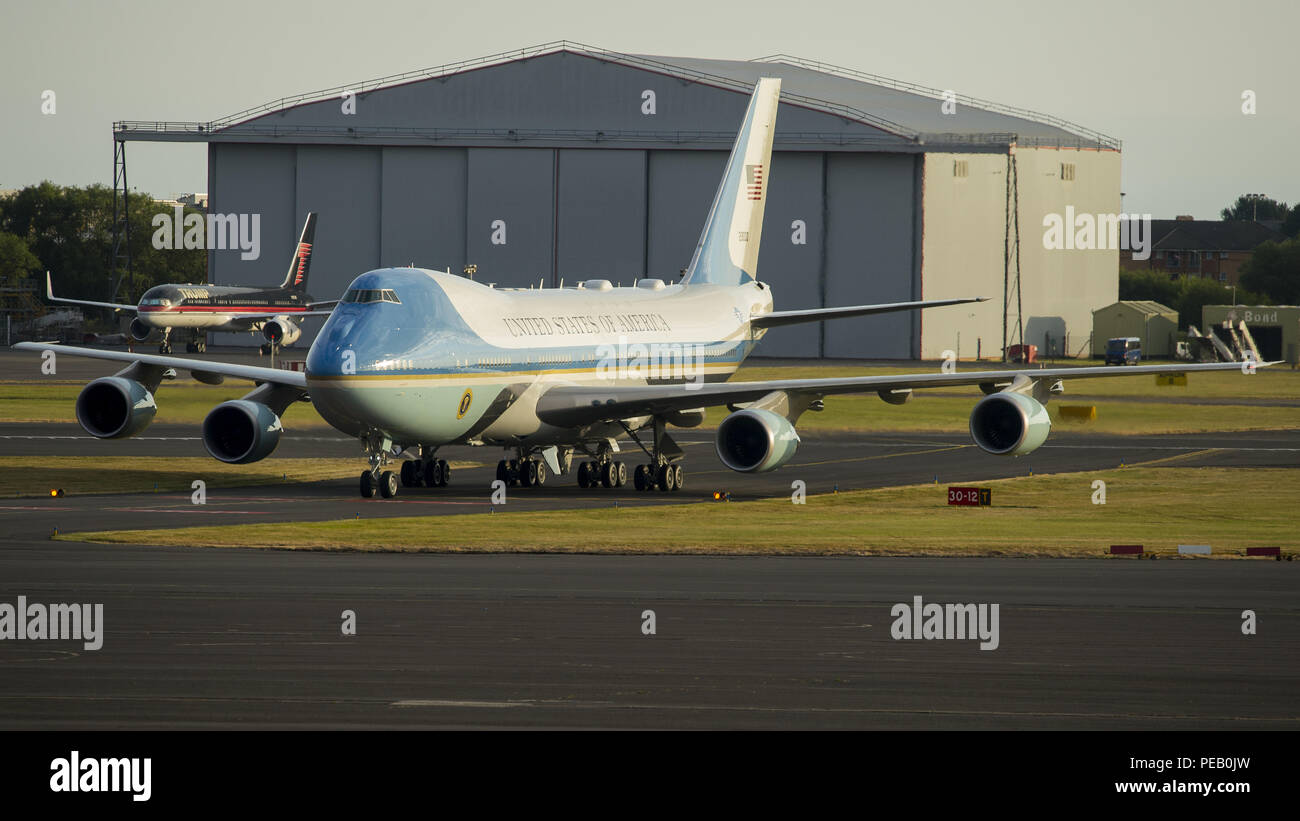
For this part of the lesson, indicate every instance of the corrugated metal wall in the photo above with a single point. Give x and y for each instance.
(839, 228)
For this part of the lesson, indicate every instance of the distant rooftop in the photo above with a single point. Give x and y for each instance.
(1210, 235)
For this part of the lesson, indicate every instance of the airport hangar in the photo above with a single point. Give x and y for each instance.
(563, 162)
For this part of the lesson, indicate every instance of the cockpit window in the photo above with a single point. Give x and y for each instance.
(156, 302)
(371, 295)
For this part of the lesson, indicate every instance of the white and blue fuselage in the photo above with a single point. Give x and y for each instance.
(428, 357)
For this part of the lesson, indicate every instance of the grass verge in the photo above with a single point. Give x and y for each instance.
(1048, 515)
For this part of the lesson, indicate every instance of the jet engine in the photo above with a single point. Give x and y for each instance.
(241, 431)
(756, 441)
(1009, 423)
(281, 330)
(139, 330)
(114, 407)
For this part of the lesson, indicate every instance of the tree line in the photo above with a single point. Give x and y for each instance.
(68, 231)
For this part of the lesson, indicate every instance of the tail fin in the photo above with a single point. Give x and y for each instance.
(727, 253)
(300, 264)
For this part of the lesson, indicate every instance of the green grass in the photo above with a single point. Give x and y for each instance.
(181, 402)
(80, 475)
(1048, 515)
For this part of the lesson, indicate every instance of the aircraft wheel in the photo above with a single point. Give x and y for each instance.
(620, 474)
(667, 479)
(388, 484)
(640, 478)
(432, 473)
(367, 485)
(164, 348)
(679, 477)
(583, 479)
(515, 473)
(537, 470)
(190, 347)
(408, 474)
(503, 471)
(445, 469)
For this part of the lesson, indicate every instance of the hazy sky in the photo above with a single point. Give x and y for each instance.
(1165, 77)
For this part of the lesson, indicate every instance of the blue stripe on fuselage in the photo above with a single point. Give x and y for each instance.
(425, 335)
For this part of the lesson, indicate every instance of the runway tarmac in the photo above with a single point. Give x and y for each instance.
(249, 639)
(823, 462)
(199, 638)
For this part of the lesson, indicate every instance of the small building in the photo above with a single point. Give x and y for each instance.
(1155, 324)
(1275, 328)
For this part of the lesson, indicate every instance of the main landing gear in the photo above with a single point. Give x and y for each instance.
(602, 473)
(197, 344)
(659, 473)
(429, 472)
(666, 477)
(166, 346)
(528, 472)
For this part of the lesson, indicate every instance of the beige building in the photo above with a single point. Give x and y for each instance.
(1275, 328)
(1155, 324)
(969, 247)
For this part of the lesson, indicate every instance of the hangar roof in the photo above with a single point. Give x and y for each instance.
(830, 108)
(916, 108)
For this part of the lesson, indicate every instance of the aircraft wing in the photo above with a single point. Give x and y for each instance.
(575, 405)
(778, 318)
(275, 376)
(329, 303)
(49, 294)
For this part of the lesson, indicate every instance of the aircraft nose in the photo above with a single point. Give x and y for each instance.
(331, 360)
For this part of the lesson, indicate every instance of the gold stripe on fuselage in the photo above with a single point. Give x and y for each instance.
(497, 376)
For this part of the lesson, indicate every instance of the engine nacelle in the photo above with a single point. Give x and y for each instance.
(139, 331)
(239, 431)
(1009, 423)
(756, 441)
(114, 407)
(282, 330)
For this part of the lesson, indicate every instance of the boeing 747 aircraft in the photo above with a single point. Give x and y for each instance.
(203, 308)
(568, 379)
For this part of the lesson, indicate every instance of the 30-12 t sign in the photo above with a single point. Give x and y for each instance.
(970, 496)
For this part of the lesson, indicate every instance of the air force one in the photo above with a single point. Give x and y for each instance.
(199, 309)
(411, 360)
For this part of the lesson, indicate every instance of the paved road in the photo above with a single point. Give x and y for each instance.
(823, 462)
(251, 639)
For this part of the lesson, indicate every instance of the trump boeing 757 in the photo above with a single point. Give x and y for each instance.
(412, 360)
